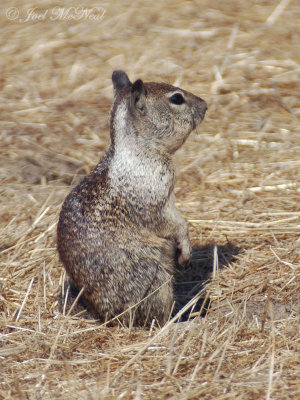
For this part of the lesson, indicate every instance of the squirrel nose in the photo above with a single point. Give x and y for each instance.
(203, 105)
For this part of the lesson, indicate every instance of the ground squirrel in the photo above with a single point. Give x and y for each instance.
(119, 231)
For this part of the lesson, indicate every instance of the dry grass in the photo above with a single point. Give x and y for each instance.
(238, 182)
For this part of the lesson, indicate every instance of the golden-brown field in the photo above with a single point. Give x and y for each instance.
(238, 184)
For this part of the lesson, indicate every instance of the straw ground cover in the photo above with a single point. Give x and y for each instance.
(238, 185)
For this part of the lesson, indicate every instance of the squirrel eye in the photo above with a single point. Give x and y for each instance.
(177, 98)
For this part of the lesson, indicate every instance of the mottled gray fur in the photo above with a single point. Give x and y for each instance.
(119, 230)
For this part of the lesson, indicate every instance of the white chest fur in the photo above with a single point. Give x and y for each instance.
(132, 173)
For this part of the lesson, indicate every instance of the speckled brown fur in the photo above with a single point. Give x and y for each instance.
(119, 229)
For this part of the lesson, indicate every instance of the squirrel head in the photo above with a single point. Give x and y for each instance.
(156, 115)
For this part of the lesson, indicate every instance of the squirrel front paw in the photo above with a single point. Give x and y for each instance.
(184, 252)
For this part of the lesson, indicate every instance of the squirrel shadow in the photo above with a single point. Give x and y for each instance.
(190, 279)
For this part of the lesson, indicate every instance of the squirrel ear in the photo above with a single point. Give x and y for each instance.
(138, 94)
(120, 81)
